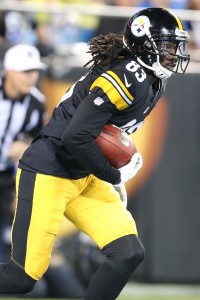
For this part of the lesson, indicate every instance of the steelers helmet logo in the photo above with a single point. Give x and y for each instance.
(140, 26)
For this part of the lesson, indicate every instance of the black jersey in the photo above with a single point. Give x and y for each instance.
(119, 94)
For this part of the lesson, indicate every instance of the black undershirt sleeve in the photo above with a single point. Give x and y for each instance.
(80, 134)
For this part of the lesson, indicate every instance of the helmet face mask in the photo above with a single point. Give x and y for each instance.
(157, 38)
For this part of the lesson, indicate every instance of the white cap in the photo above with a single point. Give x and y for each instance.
(23, 58)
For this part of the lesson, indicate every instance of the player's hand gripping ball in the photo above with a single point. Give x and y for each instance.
(116, 145)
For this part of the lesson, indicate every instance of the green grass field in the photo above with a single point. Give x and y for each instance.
(146, 292)
(159, 297)
(130, 298)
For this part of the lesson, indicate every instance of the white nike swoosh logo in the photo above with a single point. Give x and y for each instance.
(126, 82)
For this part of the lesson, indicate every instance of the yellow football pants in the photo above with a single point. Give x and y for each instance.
(42, 200)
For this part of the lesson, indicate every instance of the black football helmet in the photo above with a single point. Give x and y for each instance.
(158, 39)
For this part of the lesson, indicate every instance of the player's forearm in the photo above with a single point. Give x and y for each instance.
(85, 150)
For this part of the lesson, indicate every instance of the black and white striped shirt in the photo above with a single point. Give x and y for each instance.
(24, 117)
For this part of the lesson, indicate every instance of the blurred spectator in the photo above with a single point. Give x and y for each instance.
(63, 28)
(22, 116)
(155, 3)
(174, 4)
(4, 43)
(130, 3)
(19, 28)
(43, 40)
(87, 23)
(195, 5)
(115, 24)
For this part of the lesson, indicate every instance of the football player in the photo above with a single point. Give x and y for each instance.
(64, 173)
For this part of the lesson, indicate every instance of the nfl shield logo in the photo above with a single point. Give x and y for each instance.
(98, 101)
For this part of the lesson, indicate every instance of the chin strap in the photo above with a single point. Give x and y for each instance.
(160, 71)
(157, 69)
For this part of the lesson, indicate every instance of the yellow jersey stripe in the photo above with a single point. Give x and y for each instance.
(118, 80)
(118, 87)
(111, 92)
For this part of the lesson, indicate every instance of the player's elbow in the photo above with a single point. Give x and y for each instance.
(72, 140)
(67, 139)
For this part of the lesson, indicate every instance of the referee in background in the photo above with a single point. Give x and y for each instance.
(22, 114)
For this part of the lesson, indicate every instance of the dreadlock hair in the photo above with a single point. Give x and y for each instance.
(104, 48)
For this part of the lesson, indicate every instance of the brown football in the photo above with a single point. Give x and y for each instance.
(116, 145)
